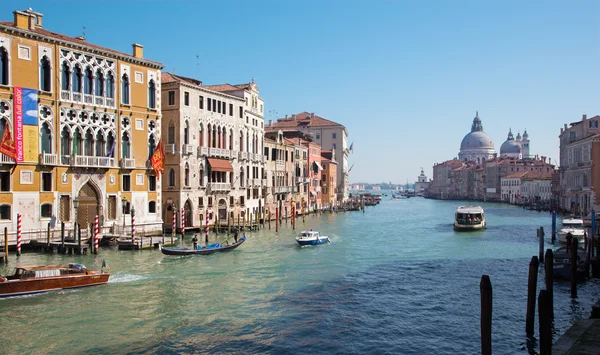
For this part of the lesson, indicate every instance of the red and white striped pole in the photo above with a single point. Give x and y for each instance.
(19, 225)
(96, 232)
(132, 226)
(174, 226)
(206, 228)
(182, 223)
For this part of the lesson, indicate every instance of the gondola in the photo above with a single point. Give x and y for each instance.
(203, 250)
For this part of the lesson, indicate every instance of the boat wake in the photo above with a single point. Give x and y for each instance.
(125, 278)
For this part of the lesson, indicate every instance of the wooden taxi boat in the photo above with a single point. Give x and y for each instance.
(35, 279)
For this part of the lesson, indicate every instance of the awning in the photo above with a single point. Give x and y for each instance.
(220, 165)
(313, 193)
(318, 165)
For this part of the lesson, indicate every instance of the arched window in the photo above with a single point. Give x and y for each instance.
(152, 207)
(200, 136)
(45, 75)
(125, 89)
(87, 82)
(151, 146)
(151, 94)
(110, 144)
(2, 125)
(125, 146)
(99, 83)
(3, 66)
(46, 210)
(100, 144)
(242, 177)
(186, 133)
(201, 179)
(88, 144)
(76, 77)
(76, 142)
(65, 76)
(110, 86)
(46, 138)
(171, 133)
(65, 139)
(186, 179)
(171, 177)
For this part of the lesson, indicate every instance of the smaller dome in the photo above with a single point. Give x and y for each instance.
(525, 135)
(510, 146)
(518, 139)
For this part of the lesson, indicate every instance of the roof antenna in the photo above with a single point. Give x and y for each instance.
(84, 33)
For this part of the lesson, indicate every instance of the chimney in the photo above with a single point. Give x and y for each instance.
(138, 50)
(21, 20)
(294, 116)
(286, 117)
(561, 131)
(35, 19)
(270, 122)
(583, 118)
(312, 115)
(565, 126)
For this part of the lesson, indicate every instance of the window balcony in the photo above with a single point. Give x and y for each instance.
(110, 102)
(170, 149)
(127, 163)
(219, 153)
(48, 159)
(219, 186)
(202, 151)
(93, 162)
(256, 182)
(65, 160)
(243, 155)
(65, 95)
(88, 99)
(282, 189)
(99, 101)
(76, 96)
(187, 149)
(6, 159)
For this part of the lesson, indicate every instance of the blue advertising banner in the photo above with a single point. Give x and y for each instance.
(30, 107)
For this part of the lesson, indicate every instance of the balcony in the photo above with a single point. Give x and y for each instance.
(187, 149)
(243, 155)
(170, 149)
(302, 179)
(99, 101)
(6, 159)
(219, 153)
(88, 99)
(93, 162)
(127, 163)
(65, 160)
(202, 151)
(48, 159)
(219, 186)
(279, 165)
(65, 95)
(76, 96)
(282, 189)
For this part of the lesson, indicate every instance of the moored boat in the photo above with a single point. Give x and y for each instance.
(203, 250)
(311, 238)
(36, 279)
(561, 267)
(574, 226)
(469, 218)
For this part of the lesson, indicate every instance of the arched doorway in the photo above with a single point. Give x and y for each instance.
(89, 207)
(189, 215)
(222, 209)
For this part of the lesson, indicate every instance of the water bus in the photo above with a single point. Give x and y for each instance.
(469, 218)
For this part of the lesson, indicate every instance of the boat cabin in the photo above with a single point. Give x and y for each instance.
(309, 234)
(33, 272)
(469, 215)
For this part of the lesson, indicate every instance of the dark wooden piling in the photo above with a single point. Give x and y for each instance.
(548, 267)
(545, 323)
(5, 245)
(269, 219)
(485, 288)
(48, 238)
(541, 244)
(573, 251)
(276, 219)
(62, 237)
(553, 227)
(79, 239)
(531, 295)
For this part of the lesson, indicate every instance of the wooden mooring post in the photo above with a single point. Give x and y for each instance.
(79, 239)
(545, 323)
(5, 245)
(548, 266)
(531, 295)
(541, 244)
(269, 217)
(573, 251)
(62, 237)
(48, 238)
(485, 288)
(553, 227)
(276, 219)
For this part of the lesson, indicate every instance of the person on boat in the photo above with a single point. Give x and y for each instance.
(569, 239)
(195, 241)
(235, 234)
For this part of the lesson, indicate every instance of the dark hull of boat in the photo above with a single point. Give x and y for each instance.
(561, 268)
(12, 288)
(188, 251)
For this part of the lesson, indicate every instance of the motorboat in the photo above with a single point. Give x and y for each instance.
(561, 267)
(311, 238)
(203, 250)
(36, 279)
(469, 218)
(574, 226)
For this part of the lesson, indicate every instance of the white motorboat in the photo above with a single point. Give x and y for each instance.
(311, 238)
(469, 218)
(575, 227)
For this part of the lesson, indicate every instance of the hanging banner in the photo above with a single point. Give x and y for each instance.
(26, 114)
(18, 117)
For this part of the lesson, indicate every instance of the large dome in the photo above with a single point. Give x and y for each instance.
(477, 140)
(510, 147)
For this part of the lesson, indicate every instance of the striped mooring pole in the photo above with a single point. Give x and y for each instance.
(96, 232)
(133, 227)
(182, 222)
(19, 230)
(174, 226)
(206, 228)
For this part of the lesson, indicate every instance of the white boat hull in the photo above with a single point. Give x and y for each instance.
(469, 227)
(576, 233)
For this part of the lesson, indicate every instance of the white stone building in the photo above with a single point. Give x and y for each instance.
(510, 187)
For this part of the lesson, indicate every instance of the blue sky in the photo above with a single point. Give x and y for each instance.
(405, 77)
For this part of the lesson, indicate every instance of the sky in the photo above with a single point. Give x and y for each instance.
(404, 77)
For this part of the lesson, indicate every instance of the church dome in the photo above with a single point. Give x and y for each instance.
(510, 147)
(477, 138)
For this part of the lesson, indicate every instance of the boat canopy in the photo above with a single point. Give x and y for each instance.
(469, 209)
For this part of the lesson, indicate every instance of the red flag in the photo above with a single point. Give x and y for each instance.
(158, 159)
(8, 147)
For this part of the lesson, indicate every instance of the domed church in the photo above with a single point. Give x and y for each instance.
(477, 146)
(511, 147)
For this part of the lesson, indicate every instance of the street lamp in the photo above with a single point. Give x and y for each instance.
(123, 206)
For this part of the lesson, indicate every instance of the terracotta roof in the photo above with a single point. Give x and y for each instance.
(166, 77)
(516, 175)
(538, 176)
(76, 41)
(223, 88)
(303, 119)
(269, 140)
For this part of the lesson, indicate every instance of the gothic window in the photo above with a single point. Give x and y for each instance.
(99, 83)
(201, 136)
(151, 94)
(110, 86)
(65, 75)
(45, 75)
(186, 181)
(186, 133)
(125, 89)
(88, 144)
(46, 137)
(171, 177)
(126, 146)
(201, 179)
(88, 81)
(76, 79)
(110, 144)
(100, 144)
(65, 139)
(3, 66)
(171, 133)
(76, 142)
(151, 146)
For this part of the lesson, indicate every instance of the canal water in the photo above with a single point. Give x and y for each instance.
(394, 280)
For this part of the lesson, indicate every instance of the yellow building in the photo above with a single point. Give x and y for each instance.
(85, 120)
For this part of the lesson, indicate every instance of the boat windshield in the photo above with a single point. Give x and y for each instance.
(469, 218)
(573, 225)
